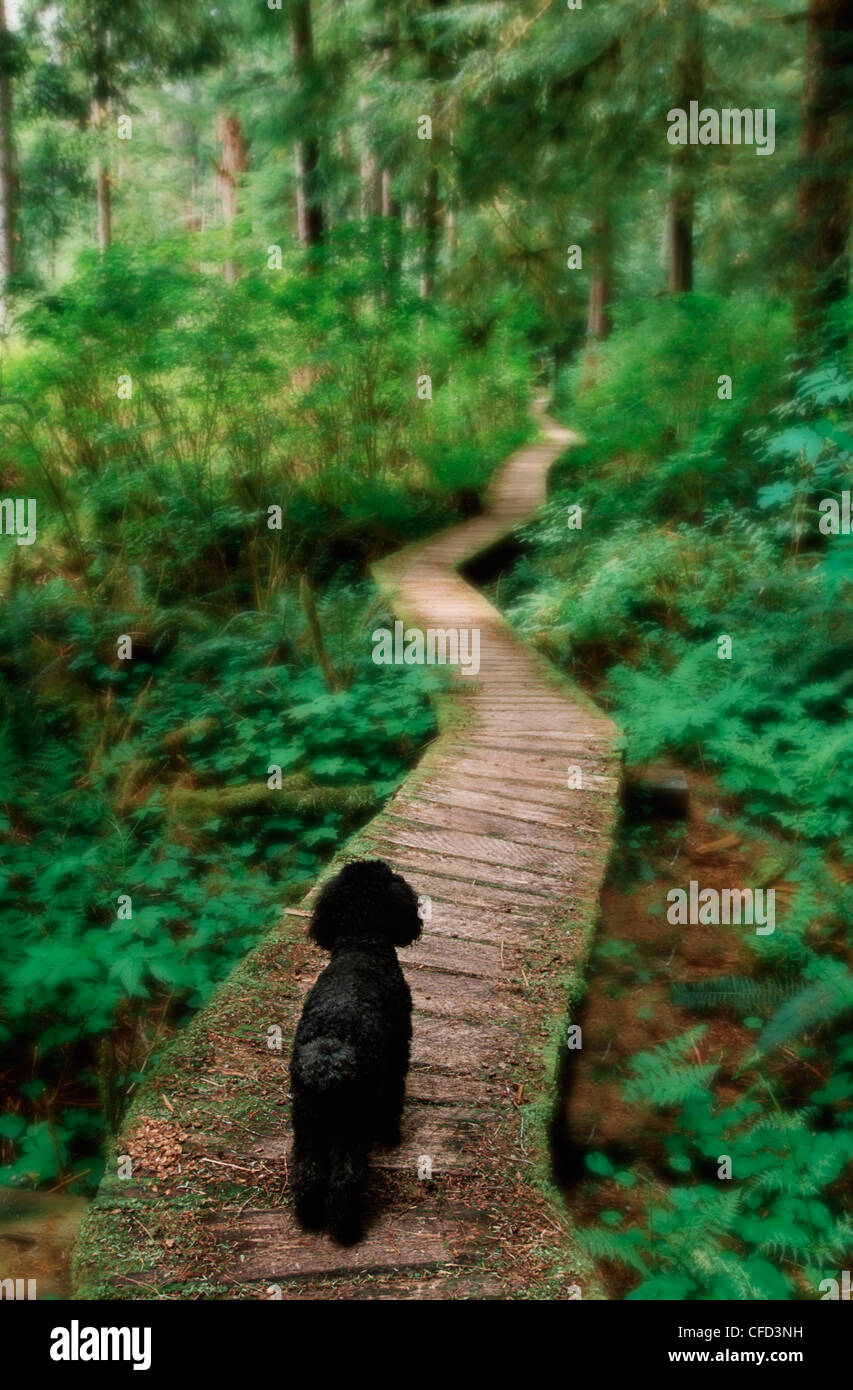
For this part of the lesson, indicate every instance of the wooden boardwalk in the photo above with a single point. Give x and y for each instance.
(511, 861)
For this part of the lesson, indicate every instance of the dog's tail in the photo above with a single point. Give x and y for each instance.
(326, 1064)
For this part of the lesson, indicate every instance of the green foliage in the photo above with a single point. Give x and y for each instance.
(147, 778)
(287, 391)
(738, 994)
(294, 388)
(93, 809)
(828, 996)
(645, 598)
(655, 418)
(769, 1230)
(701, 519)
(662, 1077)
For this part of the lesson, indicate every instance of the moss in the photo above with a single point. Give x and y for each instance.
(192, 807)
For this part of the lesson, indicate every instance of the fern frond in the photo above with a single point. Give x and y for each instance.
(738, 993)
(820, 1002)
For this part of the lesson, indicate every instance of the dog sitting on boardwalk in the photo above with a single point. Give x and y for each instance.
(351, 1050)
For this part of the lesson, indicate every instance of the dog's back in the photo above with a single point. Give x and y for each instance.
(354, 1020)
(351, 1050)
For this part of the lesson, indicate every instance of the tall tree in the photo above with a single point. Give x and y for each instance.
(102, 86)
(437, 70)
(8, 178)
(309, 204)
(601, 280)
(824, 195)
(682, 194)
(107, 49)
(233, 163)
(370, 175)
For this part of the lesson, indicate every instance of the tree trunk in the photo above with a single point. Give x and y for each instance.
(8, 179)
(450, 230)
(100, 104)
(431, 216)
(193, 217)
(598, 322)
(681, 203)
(431, 224)
(309, 208)
(389, 207)
(823, 216)
(234, 161)
(370, 201)
(105, 210)
(390, 210)
(601, 282)
(371, 191)
(679, 230)
(309, 608)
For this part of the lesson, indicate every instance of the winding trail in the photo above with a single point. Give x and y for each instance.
(511, 861)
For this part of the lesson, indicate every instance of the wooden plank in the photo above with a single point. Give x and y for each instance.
(456, 1048)
(268, 1245)
(481, 926)
(516, 775)
(434, 816)
(432, 794)
(457, 996)
(434, 1088)
(449, 1135)
(464, 901)
(514, 882)
(528, 855)
(466, 958)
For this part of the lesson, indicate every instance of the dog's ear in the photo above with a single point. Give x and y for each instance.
(401, 914)
(326, 917)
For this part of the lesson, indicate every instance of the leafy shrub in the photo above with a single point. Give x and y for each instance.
(771, 1231)
(701, 519)
(164, 798)
(251, 643)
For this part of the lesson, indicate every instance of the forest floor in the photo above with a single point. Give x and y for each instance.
(512, 863)
(637, 957)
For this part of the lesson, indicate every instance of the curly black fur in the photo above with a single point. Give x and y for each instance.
(351, 1050)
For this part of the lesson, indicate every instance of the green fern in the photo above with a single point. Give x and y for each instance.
(738, 993)
(826, 998)
(662, 1076)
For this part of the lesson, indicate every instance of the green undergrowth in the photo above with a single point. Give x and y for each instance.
(190, 719)
(701, 522)
(166, 853)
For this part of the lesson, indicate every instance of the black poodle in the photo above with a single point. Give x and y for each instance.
(351, 1050)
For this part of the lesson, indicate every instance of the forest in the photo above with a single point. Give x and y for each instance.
(279, 280)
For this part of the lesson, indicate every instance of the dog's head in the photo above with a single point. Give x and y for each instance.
(364, 897)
